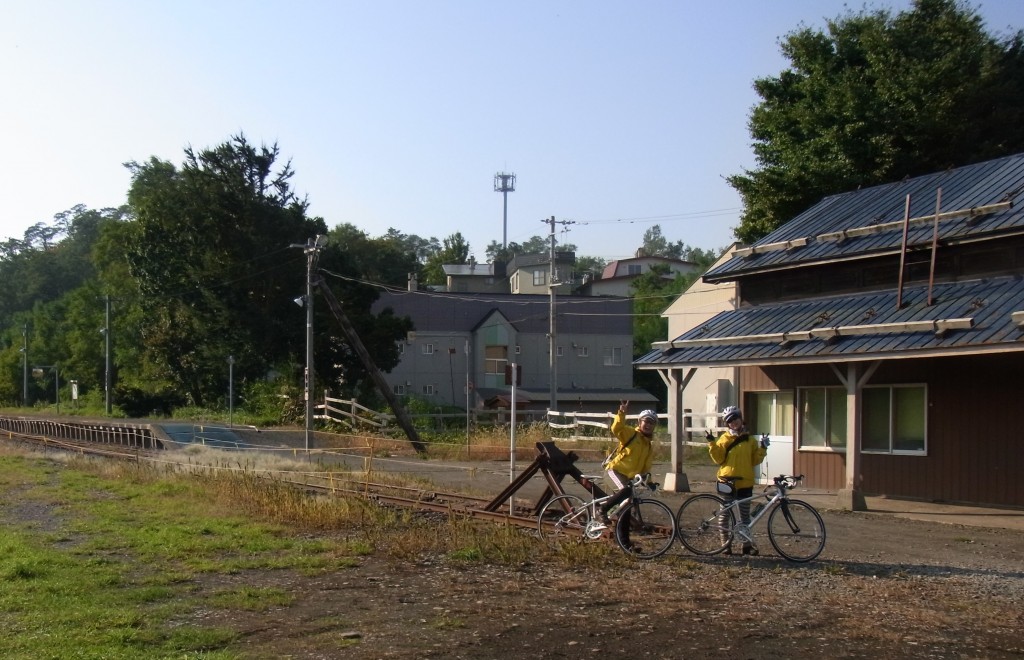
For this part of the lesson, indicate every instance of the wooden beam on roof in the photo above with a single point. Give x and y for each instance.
(770, 247)
(940, 327)
(886, 226)
(1018, 318)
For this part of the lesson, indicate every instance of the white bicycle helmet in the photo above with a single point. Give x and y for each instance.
(731, 413)
(649, 414)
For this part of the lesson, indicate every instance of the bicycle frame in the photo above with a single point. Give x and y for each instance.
(707, 524)
(742, 529)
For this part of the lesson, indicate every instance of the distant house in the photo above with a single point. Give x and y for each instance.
(617, 277)
(476, 278)
(462, 343)
(879, 338)
(531, 273)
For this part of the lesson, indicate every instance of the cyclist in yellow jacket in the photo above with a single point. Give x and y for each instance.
(736, 452)
(633, 456)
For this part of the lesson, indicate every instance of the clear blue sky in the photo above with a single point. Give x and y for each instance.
(398, 113)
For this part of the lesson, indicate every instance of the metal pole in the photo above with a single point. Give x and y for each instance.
(311, 258)
(466, 351)
(553, 361)
(56, 385)
(231, 391)
(106, 337)
(24, 350)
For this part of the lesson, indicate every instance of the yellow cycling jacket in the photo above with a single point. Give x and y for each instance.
(736, 456)
(634, 455)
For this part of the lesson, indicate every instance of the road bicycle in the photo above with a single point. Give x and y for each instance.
(568, 519)
(707, 523)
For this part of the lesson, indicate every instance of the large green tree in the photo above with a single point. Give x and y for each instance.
(211, 252)
(875, 98)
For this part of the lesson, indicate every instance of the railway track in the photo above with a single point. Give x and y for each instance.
(521, 513)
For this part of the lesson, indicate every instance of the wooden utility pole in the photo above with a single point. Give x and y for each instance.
(401, 416)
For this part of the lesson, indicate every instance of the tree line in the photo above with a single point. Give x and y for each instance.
(201, 266)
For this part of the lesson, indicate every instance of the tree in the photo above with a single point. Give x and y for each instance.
(875, 99)
(535, 245)
(211, 254)
(454, 251)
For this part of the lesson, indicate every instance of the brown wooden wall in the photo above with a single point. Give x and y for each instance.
(975, 442)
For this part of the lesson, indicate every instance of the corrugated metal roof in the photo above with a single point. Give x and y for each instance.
(968, 187)
(988, 302)
(461, 312)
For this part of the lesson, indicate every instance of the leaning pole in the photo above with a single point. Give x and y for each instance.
(401, 416)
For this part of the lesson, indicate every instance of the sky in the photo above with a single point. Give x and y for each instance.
(613, 116)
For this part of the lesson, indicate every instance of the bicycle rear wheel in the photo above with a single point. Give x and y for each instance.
(651, 530)
(563, 519)
(703, 527)
(796, 530)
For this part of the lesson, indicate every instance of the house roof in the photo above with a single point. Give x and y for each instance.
(869, 222)
(530, 313)
(984, 315)
(612, 267)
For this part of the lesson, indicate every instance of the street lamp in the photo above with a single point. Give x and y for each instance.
(38, 371)
(231, 390)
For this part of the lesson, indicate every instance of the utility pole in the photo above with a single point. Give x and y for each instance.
(312, 250)
(24, 365)
(552, 348)
(106, 355)
(504, 183)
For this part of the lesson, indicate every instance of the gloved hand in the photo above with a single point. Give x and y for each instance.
(709, 435)
(765, 441)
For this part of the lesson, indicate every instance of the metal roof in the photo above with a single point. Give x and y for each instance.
(530, 313)
(803, 240)
(857, 327)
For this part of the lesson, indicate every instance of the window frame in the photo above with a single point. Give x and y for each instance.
(612, 356)
(829, 428)
(893, 420)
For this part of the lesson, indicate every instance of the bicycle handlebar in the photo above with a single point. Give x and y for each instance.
(785, 481)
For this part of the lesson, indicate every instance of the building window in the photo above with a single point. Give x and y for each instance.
(428, 390)
(540, 278)
(893, 419)
(770, 412)
(823, 418)
(634, 269)
(558, 351)
(428, 349)
(495, 359)
(399, 390)
(518, 349)
(612, 356)
(401, 347)
(582, 351)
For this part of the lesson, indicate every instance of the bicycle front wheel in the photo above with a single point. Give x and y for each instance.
(704, 528)
(796, 530)
(650, 531)
(563, 519)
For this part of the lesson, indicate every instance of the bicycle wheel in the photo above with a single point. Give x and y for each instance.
(563, 519)
(796, 530)
(651, 530)
(703, 527)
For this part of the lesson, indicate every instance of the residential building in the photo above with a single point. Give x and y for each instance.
(617, 277)
(879, 335)
(462, 343)
(709, 388)
(476, 278)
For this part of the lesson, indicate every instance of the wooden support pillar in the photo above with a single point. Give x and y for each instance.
(850, 496)
(675, 480)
